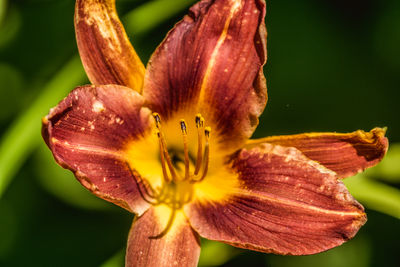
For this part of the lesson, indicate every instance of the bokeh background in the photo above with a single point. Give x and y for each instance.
(333, 65)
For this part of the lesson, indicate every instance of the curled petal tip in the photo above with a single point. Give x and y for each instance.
(380, 130)
(344, 153)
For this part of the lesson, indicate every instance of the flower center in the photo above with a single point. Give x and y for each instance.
(172, 159)
(180, 170)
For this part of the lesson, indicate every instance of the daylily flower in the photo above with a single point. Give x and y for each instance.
(169, 143)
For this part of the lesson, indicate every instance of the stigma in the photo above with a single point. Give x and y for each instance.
(195, 167)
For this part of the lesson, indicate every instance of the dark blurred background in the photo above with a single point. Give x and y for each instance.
(333, 65)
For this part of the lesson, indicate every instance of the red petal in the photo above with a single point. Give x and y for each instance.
(87, 132)
(105, 50)
(211, 63)
(345, 154)
(286, 204)
(179, 247)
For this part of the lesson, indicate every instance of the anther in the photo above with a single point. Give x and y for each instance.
(207, 132)
(199, 121)
(185, 148)
(157, 119)
(183, 126)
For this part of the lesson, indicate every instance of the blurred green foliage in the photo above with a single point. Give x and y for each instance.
(333, 66)
(375, 195)
(389, 168)
(355, 254)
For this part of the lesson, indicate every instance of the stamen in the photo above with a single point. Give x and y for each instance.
(202, 159)
(206, 159)
(164, 169)
(163, 195)
(199, 126)
(139, 182)
(185, 148)
(163, 147)
(207, 132)
(168, 226)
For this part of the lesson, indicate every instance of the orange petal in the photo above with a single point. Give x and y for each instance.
(107, 55)
(87, 133)
(179, 247)
(285, 203)
(211, 63)
(345, 154)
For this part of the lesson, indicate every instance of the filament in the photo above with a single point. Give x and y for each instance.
(185, 148)
(164, 169)
(199, 126)
(163, 147)
(206, 159)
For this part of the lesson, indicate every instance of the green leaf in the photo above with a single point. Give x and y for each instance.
(116, 260)
(375, 195)
(8, 228)
(11, 85)
(389, 168)
(354, 253)
(153, 13)
(3, 5)
(24, 134)
(10, 23)
(216, 253)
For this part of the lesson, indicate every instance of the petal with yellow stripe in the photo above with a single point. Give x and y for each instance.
(211, 63)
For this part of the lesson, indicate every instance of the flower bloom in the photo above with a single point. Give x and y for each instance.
(170, 143)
